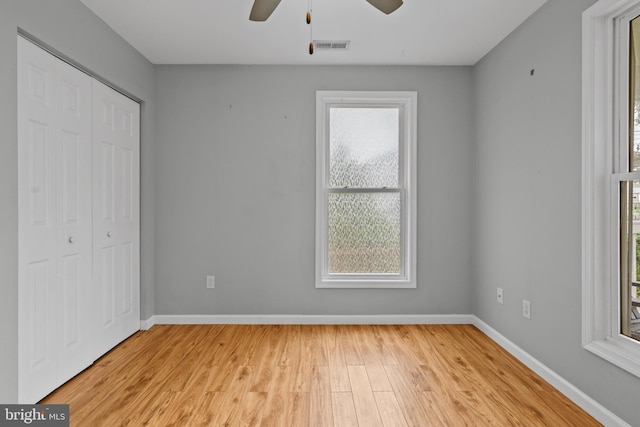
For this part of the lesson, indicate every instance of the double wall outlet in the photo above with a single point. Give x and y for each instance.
(526, 308)
(526, 304)
(211, 282)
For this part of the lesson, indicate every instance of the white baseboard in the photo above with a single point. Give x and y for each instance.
(596, 410)
(147, 324)
(273, 319)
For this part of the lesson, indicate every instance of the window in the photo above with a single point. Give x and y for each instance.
(365, 189)
(629, 204)
(611, 182)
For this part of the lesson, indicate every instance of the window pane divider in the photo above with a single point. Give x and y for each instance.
(625, 176)
(363, 190)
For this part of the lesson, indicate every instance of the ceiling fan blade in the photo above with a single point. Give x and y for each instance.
(262, 9)
(386, 6)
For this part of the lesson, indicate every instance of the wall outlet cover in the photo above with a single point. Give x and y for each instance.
(526, 309)
(211, 282)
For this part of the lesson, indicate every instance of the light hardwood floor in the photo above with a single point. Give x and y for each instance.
(320, 375)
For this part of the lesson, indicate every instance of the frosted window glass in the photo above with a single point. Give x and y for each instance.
(363, 144)
(364, 233)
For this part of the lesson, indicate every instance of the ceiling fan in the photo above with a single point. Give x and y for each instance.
(262, 9)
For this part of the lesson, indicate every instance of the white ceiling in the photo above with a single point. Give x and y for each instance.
(426, 32)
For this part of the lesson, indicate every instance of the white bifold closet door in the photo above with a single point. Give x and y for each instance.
(69, 305)
(55, 221)
(116, 216)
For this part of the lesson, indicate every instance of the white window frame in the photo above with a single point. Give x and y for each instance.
(605, 35)
(407, 102)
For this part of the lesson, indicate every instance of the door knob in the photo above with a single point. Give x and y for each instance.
(71, 239)
(108, 234)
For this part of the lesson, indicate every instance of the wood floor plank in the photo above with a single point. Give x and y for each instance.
(184, 405)
(408, 399)
(372, 359)
(344, 413)
(363, 339)
(337, 360)
(484, 410)
(314, 352)
(261, 381)
(351, 354)
(298, 409)
(274, 413)
(400, 342)
(231, 406)
(435, 416)
(231, 346)
(260, 344)
(291, 348)
(154, 415)
(273, 338)
(304, 375)
(378, 378)
(387, 357)
(206, 408)
(363, 399)
(449, 407)
(389, 409)
(251, 409)
(339, 378)
(320, 410)
(223, 377)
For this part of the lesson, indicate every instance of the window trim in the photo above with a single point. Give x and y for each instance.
(603, 101)
(407, 101)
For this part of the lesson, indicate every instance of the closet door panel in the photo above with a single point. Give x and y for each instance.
(127, 297)
(104, 242)
(54, 203)
(128, 215)
(71, 301)
(37, 224)
(106, 284)
(74, 213)
(37, 357)
(116, 213)
(128, 132)
(40, 147)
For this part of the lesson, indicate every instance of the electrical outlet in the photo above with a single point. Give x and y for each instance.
(526, 309)
(211, 282)
(500, 296)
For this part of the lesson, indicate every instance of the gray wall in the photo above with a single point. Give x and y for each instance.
(527, 200)
(235, 185)
(71, 28)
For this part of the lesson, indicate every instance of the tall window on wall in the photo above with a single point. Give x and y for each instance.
(629, 202)
(365, 189)
(611, 182)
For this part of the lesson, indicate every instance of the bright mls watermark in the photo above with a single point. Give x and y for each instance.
(34, 415)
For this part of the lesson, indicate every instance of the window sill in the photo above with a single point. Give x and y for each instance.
(365, 284)
(621, 351)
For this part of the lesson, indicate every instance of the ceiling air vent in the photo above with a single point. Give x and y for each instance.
(331, 44)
